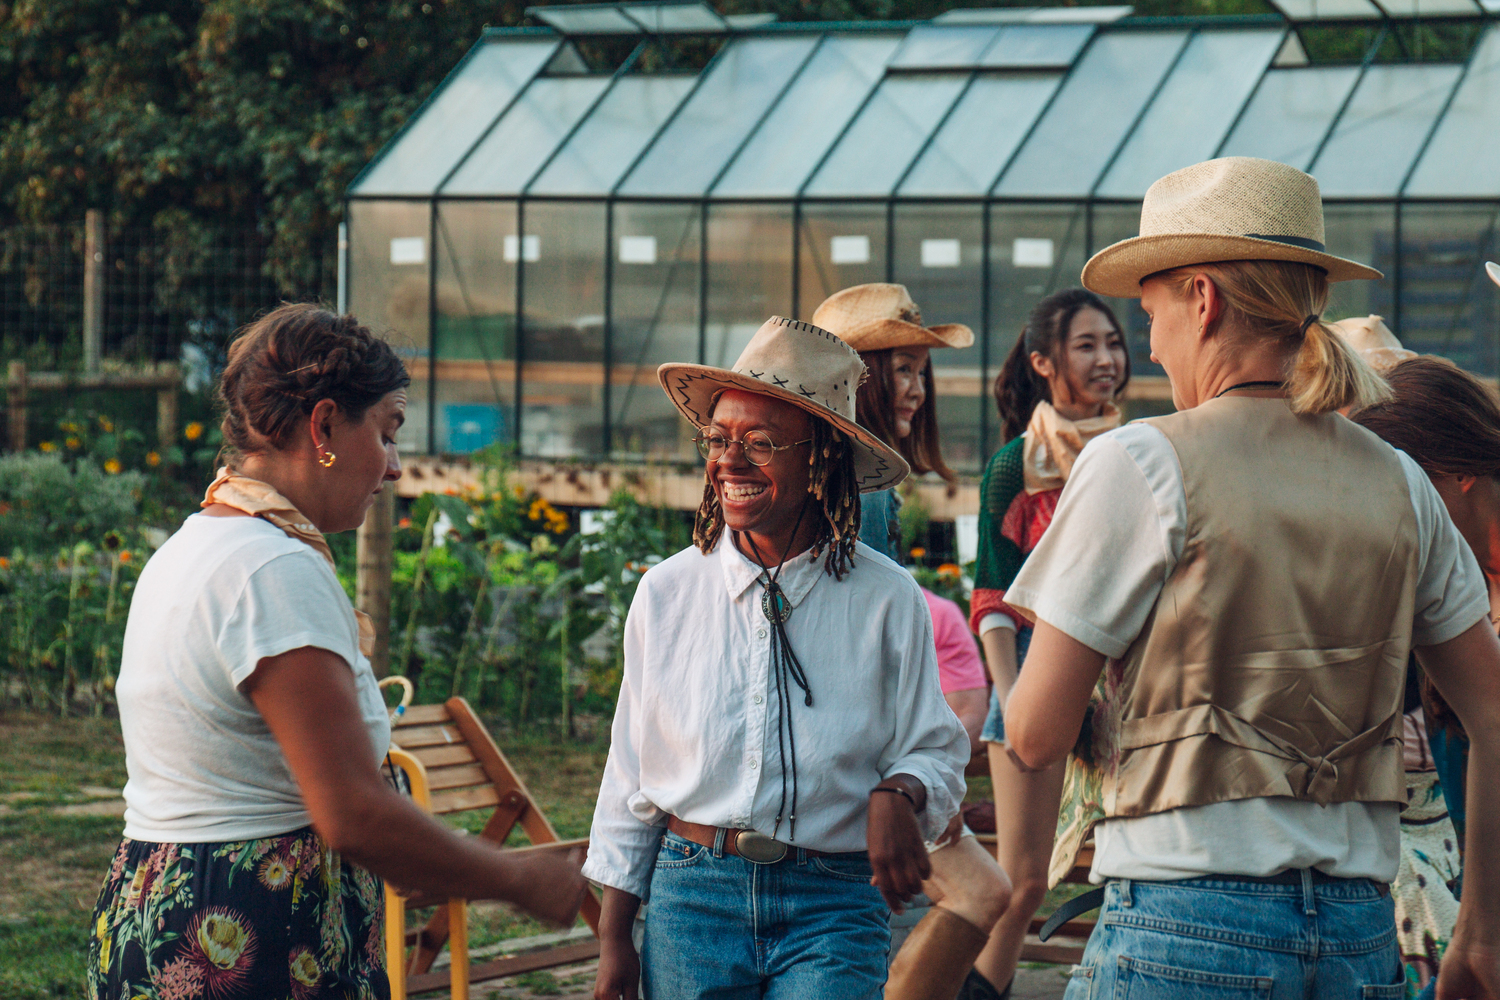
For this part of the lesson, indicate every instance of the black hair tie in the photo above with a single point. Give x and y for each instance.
(1311, 319)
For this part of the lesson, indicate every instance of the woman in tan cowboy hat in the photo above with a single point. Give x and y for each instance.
(1270, 565)
(969, 890)
(897, 401)
(780, 747)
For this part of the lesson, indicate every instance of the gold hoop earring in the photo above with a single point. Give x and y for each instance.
(326, 458)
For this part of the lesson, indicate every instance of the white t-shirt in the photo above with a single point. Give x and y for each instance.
(221, 595)
(1124, 508)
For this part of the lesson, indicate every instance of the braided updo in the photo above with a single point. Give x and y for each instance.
(285, 362)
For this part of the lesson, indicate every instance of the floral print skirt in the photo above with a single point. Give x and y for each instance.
(270, 919)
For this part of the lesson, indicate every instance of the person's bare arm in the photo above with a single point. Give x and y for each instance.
(1046, 708)
(1000, 659)
(898, 855)
(1466, 671)
(309, 701)
(971, 706)
(619, 972)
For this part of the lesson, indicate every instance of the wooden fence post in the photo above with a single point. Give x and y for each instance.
(93, 289)
(166, 411)
(373, 576)
(15, 402)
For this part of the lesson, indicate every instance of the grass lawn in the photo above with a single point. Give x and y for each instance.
(56, 775)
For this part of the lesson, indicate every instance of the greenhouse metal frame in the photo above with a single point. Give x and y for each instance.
(539, 237)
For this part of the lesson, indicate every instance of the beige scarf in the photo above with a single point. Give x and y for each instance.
(261, 500)
(1053, 443)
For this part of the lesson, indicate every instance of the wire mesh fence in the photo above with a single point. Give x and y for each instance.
(161, 289)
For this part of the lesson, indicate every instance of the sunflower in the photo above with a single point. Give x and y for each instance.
(275, 873)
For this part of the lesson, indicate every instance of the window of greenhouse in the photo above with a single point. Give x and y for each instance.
(944, 47)
(880, 144)
(981, 134)
(736, 90)
(1290, 114)
(613, 135)
(809, 117)
(1093, 112)
(1377, 138)
(1037, 46)
(445, 128)
(521, 141)
(1448, 304)
(1460, 161)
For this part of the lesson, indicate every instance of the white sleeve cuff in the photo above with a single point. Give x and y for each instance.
(995, 620)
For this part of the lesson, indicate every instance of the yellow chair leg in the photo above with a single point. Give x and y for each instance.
(458, 947)
(395, 943)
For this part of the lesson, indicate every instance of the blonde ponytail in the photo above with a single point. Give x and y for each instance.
(1284, 300)
(1328, 375)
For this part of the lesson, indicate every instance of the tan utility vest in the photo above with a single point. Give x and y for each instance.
(1273, 662)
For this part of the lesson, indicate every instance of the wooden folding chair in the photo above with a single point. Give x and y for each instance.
(464, 770)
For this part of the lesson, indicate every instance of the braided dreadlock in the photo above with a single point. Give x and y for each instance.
(832, 484)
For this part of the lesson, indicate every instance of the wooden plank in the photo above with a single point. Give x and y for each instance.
(468, 798)
(425, 736)
(421, 715)
(455, 777)
(1059, 951)
(536, 825)
(443, 756)
(514, 965)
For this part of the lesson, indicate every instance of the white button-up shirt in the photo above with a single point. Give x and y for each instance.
(695, 729)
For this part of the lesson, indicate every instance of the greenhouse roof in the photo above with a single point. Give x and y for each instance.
(1017, 103)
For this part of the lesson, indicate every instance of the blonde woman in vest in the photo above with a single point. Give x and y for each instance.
(1054, 394)
(968, 889)
(1269, 566)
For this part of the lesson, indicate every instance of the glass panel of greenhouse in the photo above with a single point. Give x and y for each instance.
(552, 225)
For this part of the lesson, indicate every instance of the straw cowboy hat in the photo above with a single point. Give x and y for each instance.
(876, 316)
(1373, 340)
(1235, 208)
(800, 364)
(1493, 270)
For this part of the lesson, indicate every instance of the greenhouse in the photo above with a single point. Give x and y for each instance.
(541, 235)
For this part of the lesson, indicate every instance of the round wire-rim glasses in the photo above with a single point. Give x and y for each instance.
(758, 447)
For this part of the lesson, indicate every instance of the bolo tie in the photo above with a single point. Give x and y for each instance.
(786, 671)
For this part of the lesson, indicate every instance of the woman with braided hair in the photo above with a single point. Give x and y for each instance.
(257, 824)
(781, 749)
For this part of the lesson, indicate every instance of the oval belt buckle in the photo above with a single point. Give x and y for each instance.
(758, 849)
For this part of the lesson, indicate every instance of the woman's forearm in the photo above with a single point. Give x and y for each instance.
(1000, 656)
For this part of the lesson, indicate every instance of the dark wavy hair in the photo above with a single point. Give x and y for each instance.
(1018, 388)
(875, 405)
(284, 363)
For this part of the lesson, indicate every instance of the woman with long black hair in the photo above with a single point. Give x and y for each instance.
(1054, 394)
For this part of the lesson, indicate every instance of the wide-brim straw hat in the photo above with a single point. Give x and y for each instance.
(1493, 270)
(1373, 340)
(1234, 208)
(797, 363)
(877, 316)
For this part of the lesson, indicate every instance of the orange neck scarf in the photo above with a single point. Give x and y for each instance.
(1053, 443)
(261, 500)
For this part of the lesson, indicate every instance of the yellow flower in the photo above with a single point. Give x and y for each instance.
(106, 425)
(274, 873)
(48, 446)
(305, 969)
(73, 443)
(153, 459)
(223, 940)
(918, 552)
(949, 569)
(113, 466)
(193, 431)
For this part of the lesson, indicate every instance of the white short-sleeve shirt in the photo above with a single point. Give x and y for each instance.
(1124, 510)
(221, 595)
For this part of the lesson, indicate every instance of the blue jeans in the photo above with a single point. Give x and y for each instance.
(802, 929)
(1202, 939)
(994, 722)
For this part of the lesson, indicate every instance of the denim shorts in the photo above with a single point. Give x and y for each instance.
(804, 928)
(994, 723)
(1224, 939)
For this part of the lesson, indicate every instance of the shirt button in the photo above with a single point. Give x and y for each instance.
(758, 699)
(760, 633)
(753, 765)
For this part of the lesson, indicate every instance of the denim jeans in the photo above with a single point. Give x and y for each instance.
(994, 722)
(1203, 939)
(724, 928)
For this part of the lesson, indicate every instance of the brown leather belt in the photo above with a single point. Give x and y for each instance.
(754, 847)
